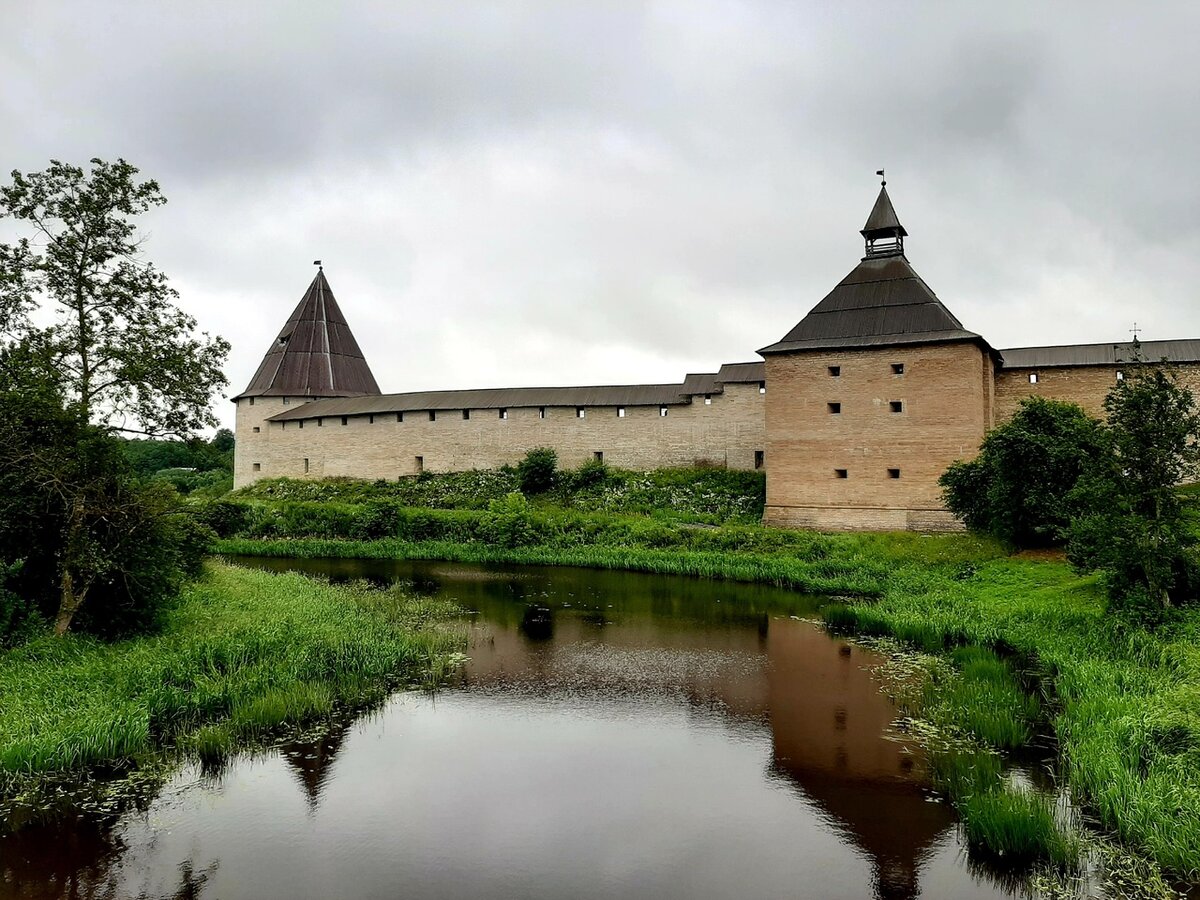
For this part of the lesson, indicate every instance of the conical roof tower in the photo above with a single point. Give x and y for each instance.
(882, 302)
(315, 355)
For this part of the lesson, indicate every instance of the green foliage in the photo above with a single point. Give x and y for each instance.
(1130, 521)
(536, 472)
(240, 653)
(194, 467)
(509, 522)
(1017, 828)
(119, 347)
(82, 527)
(1017, 488)
(589, 476)
(708, 496)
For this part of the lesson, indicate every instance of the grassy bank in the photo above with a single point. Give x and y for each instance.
(240, 653)
(1123, 703)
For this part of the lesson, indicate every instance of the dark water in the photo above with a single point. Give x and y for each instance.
(614, 735)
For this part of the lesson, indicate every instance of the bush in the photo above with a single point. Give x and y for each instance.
(509, 522)
(378, 519)
(225, 517)
(537, 471)
(591, 474)
(1017, 488)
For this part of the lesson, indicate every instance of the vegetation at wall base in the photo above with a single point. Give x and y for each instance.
(240, 653)
(701, 495)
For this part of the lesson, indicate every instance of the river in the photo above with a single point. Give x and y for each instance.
(614, 735)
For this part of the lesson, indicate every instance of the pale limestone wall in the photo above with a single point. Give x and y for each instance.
(726, 432)
(1085, 385)
(946, 397)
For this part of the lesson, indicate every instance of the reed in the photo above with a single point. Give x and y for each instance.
(1018, 828)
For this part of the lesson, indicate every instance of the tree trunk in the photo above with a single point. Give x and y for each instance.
(70, 596)
(68, 602)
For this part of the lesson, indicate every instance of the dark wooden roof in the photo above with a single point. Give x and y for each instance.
(883, 219)
(882, 302)
(1099, 354)
(504, 398)
(315, 355)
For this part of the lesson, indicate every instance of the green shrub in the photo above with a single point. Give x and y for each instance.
(225, 517)
(537, 471)
(378, 519)
(509, 522)
(590, 475)
(1017, 487)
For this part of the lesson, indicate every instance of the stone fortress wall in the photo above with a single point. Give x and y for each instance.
(724, 429)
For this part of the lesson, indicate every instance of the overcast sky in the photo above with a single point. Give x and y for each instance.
(510, 194)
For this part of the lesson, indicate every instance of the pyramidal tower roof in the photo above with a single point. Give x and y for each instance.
(315, 355)
(883, 220)
(882, 302)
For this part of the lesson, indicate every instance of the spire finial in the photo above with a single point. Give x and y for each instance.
(317, 263)
(883, 178)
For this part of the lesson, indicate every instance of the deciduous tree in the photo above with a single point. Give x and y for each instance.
(121, 349)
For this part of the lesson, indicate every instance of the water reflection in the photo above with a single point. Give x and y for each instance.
(613, 735)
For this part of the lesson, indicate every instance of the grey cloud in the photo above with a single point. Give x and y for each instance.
(539, 192)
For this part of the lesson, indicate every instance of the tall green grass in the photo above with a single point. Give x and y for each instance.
(1018, 828)
(240, 653)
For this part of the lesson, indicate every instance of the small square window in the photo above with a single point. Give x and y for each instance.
(258, 467)
(432, 416)
(897, 368)
(251, 401)
(662, 412)
(708, 399)
(320, 423)
(257, 429)
(466, 415)
(620, 412)
(301, 423)
(598, 456)
(1033, 377)
(1120, 376)
(896, 406)
(835, 409)
(345, 420)
(504, 413)
(893, 473)
(306, 465)
(841, 473)
(285, 401)
(759, 458)
(419, 464)
(370, 420)
(835, 371)
(580, 412)
(541, 412)
(399, 417)
(762, 387)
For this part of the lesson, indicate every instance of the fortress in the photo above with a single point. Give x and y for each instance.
(854, 413)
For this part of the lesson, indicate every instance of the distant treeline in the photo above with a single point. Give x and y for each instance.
(200, 467)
